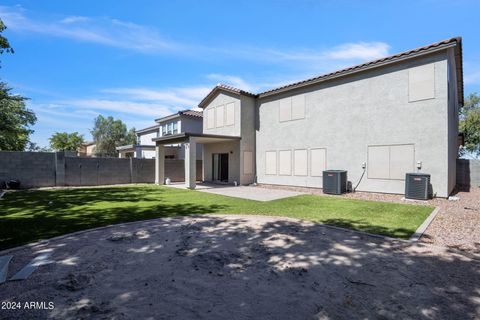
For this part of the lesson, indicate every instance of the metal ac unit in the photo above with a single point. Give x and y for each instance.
(417, 186)
(334, 181)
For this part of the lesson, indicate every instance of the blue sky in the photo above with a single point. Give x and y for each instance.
(139, 60)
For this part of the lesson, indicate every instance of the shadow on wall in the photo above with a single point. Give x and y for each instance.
(216, 267)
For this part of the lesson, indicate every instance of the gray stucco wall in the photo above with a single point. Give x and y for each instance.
(233, 150)
(223, 99)
(453, 109)
(33, 169)
(247, 143)
(244, 126)
(347, 115)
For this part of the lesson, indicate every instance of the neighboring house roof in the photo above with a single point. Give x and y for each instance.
(148, 129)
(441, 45)
(189, 113)
(88, 143)
(225, 88)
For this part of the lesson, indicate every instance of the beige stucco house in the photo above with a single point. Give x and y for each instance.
(378, 120)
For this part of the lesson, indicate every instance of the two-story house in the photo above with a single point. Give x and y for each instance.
(378, 120)
(187, 120)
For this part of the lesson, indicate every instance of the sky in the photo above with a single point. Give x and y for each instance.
(140, 60)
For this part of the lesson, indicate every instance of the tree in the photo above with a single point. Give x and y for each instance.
(15, 118)
(4, 44)
(33, 147)
(108, 134)
(470, 125)
(63, 141)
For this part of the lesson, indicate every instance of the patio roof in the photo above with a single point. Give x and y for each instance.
(133, 146)
(199, 137)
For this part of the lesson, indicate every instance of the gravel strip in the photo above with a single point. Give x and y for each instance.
(457, 225)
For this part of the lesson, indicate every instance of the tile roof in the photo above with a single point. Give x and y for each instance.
(456, 41)
(375, 63)
(151, 128)
(223, 87)
(192, 113)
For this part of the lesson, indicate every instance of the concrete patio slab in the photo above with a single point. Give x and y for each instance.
(244, 192)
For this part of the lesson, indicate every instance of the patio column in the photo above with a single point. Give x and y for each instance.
(190, 163)
(159, 164)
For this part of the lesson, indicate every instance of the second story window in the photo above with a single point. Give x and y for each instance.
(175, 128)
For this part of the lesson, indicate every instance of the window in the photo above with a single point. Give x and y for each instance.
(230, 111)
(175, 127)
(390, 162)
(271, 162)
(421, 82)
(318, 161)
(247, 162)
(219, 116)
(300, 162)
(210, 118)
(285, 162)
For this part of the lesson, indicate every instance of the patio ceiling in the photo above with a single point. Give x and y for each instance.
(198, 137)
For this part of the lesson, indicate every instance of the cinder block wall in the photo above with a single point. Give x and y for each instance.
(175, 170)
(33, 169)
(468, 173)
(47, 169)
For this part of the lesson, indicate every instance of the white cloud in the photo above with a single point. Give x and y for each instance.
(181, 97)
(105, 31)
(121, 106)
(234, 81)
(73, 19)
(361, 51)
(135, 37)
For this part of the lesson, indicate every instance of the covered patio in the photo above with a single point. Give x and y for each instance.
(190, 141)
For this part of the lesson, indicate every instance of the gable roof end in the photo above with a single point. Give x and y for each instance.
(224, 88)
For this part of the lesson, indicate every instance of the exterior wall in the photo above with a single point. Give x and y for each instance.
(146, 139)
(348, 114)
(223, 99)
(247, 143)
(90, 150)
(453, 109)
(233, 150)
(243, 126)
(33, 169)
(191, 124)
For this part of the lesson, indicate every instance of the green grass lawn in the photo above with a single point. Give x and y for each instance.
(26, 216)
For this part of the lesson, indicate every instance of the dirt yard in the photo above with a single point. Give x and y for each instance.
(242, 267)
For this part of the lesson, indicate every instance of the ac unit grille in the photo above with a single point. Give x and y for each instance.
(417, 186)
(334, 181)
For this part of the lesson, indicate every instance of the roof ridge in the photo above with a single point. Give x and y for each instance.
(368, 63)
